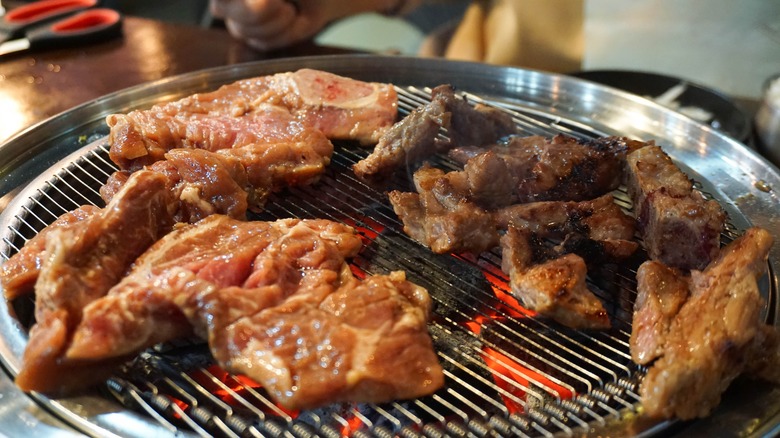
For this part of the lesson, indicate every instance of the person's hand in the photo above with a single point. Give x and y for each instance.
(272, 24)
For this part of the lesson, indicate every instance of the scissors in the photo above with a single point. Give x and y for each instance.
(50, 23)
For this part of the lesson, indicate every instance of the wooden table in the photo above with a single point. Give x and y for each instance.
(37, 85)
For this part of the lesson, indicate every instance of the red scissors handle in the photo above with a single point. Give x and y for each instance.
(13, 23)
(91, 25)
(41, 10)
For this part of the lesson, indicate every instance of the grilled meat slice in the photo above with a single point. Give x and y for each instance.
(714, 335)
(19, 273)
(202, 183)
(597, 230)
(212, 273)
(679, 226)
(560, 168)
(441, 217)
(406, 142)
(82, 262)
(661, 292)
(416, 136)
(472, 125)
(273, 109)
(278, 302)
(554, 287)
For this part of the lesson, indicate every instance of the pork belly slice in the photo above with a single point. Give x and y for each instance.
(441, 217)
(554, 287)
(560, 168)
(19, 273)
(714, 336)
(680, 228)
(81, 262)
(202, 183)
(416, 136)
(277, 302)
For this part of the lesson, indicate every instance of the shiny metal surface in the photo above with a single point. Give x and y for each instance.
(738, 177)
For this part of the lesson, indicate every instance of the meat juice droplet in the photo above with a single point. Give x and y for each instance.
(763, 186)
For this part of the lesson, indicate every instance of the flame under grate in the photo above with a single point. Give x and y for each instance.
(507, 371)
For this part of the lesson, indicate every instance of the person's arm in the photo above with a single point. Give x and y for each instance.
(272, 24)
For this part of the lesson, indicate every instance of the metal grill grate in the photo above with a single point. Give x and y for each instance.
(507, 371)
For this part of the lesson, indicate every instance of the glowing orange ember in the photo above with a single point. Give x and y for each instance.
(508, 374)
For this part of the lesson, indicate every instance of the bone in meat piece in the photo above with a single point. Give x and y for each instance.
(19, 273)
(679, 226)
(416, 136)
(277, 302)
(555, 287)
(715, 334)
(82, 262)
(238, 114)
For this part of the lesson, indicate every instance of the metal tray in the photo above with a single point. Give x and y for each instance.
(745, 183)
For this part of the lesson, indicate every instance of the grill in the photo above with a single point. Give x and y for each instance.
(508, 372)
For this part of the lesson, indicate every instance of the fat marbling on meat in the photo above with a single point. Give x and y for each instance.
(286, 108)
(679, 226)
(277, 302)
(81, 262)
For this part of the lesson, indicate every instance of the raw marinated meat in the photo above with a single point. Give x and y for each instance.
(81, 262)
(19, 273)
(715, 334)
(277, 302)
(282, 108)
(680, 228)
(202, 183)
(141, 138)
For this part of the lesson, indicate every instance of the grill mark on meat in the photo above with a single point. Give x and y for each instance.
(415, 136)
(277, 302)
(711, 338)
(553, 287)
(680, 228)
(597, 230)
(560, 168)
(82, 262)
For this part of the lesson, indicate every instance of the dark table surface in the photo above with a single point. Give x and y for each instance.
(37, 85)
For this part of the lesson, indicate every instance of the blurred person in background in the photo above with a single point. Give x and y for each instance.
(544, 34)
